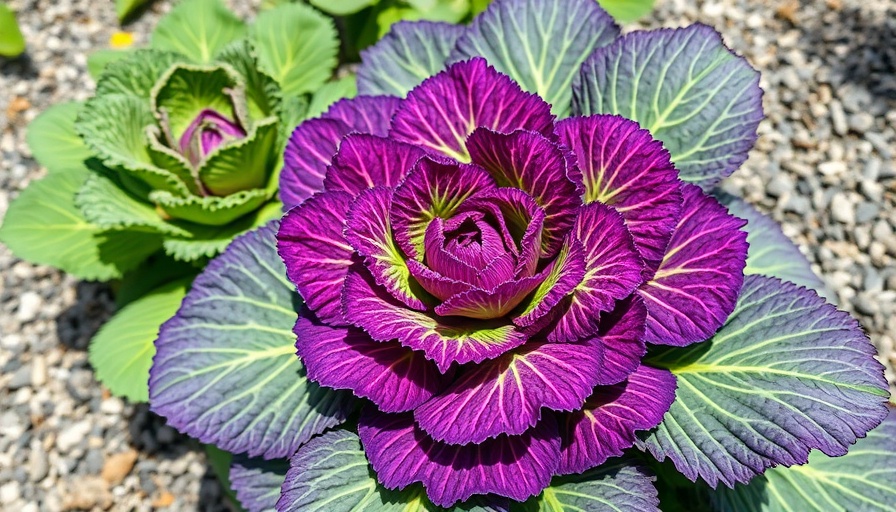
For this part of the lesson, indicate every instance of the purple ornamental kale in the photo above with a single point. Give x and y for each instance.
(487, 278)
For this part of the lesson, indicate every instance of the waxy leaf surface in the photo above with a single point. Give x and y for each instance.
(225, 369)
(786, 374)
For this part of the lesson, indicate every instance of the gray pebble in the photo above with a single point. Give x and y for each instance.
(29, 306)
(842, 209)
(20, 379)
(866, 212)
(861, 122)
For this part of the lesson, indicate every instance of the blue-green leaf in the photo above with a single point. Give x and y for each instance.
(616, 486)
(121, 352)
(410, 53)
(786, 374)
(686, 88)
(225, 369)
(771, 253)
(539, 43)
(863, 479)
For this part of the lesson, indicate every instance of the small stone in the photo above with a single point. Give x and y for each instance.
(73, 436)
(38, 371)
(38, 463)
(87, 493)
(20, 379)
(779, 185)
(166, 499)
(866, 212)
(861, 122)
(119, 466)
(29, 306)
(838, 118)
(842, 210)
(10, 492)
(832, 168)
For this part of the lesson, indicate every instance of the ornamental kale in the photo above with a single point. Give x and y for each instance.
(176, 153)
(503, 275)
(517, 289)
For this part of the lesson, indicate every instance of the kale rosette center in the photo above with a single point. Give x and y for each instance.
(488, 279)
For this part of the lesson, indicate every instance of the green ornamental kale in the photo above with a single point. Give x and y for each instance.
(177, 152)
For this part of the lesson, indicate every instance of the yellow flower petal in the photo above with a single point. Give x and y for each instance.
(121, 40)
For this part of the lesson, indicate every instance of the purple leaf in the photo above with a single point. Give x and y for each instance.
(393, 377)
(612, 271)
(493, 303)
(313, 144)
(367, 229)
(606, 426)
(442, 260)
(624, 167)
(441, 112)
(438, 285)
(517, 467)
(365, 161)
(208, 131)
(696, 285)
(532, 163)
(317, 256)
(621, 333)
(432, 189)
(506, 395)
(443, 340)
(568, 270)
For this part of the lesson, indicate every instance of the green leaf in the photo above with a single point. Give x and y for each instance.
(627, 10)
(687, 88)
(99, 59)
(863, 479)
(541, 47)
(12, 44)
(342, 7)
(122, 350)
(124, 8)
(208, 241)
(155, 271)
(53, 140)
(243, 164)
(297, 46)
(210, 210)
(786, 374)
(262, 91)
(136, 73)
(186, 90)
(116, 128)
(198, 29)
(104, 203)
(771, 252)
(477, 6)
(44, 226)
(450, 11)
(616, 486)
(330, 93)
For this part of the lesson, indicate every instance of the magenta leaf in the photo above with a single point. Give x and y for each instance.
(517, 467)
(621, 333)
(606, 426)
(532, 163)
(367, 229)
(432, 189)
(313, 144)
(697, 282)
(317, 256)
(506, 395)
(612, 271)
(365, 161)
(624, 167)
(441, 112)
(395, 378)
(443, 340)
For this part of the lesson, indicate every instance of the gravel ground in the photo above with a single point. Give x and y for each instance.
(823, 167)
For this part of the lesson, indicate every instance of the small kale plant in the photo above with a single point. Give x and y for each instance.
(512, 284)
(177, 152)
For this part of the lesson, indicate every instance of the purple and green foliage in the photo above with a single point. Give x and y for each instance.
(509, 289)
(177, 152)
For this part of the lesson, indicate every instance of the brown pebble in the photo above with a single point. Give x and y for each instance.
(164, 500)
(118, 466)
